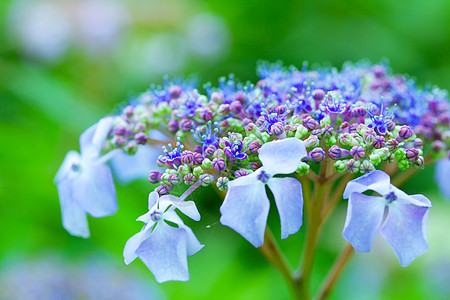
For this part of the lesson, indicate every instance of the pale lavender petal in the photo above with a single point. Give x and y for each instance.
(442, 175)
(129, 252)
(192, 243)
(364, 217)
(289, 200)
(164, 253)
(132, 167)
(73, 217)
(282, 156)
(245, 210)
(95, 192)
(92, 139)
(403, 198)
(186, 207)
(405, 230)
(66, 170)
(246, 180)
(377, 181)
(152, 199)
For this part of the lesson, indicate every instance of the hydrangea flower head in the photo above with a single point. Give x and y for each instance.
(405, 224)
(246, 205)
(85, 183)
(162, 247)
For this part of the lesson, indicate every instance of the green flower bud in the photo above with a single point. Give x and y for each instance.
(197, 171)
(330, 141)
(339, 166)
(325, 121)
(403, 164)
(301, 131)
(206, 164)
(400, 154)
(222, 183)
(183, 170)
(375, 159)
(303, 169)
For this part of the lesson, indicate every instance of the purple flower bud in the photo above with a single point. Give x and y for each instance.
(173, 125)
(310, 123)
(186, 125)
(419, 162)
(280, 109)
(129, 110)
(366, 167)
(175, 91)
(352, 128)
(312, 141)
(277, 129)
(392, 144)
(334, 152)
(206, 114)
(240, 96)
(217, 97)
(358, 152)
(187, 157)
(344, 127)
(198, 159)
(254, 146)
(218, 164)
(224, 109)
(317, 154)
(390, 126)
(412, 154)
(209, 151)
(352, 165)
(236, 107)
(119, 141)
(154, 176)
(121, 130)
(418, 143)
(240, 173)
(378, 142)
(327, 131)
(255, 165)
(358, 112)
(189, 179)
(404, 133)
(379, 71)
(173, 179)
(224, 125)
(198, 149)
(140, 127)
(369, 136)
(141, 138)
(438, 146)
(260, 121)
(163, 190)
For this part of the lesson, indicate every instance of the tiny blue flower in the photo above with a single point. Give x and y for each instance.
(404, 226)
(161, 246)
(85, 183)
(380, 122)
(246, 206)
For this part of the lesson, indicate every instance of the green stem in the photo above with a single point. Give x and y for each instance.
(335, 272)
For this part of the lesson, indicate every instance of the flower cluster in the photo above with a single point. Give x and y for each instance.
(237, 137)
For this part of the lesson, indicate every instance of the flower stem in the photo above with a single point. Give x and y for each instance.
(335, 272)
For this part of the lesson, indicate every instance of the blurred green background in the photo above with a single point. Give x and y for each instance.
(65, 64)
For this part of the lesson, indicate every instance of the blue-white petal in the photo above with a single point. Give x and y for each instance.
(132, 167)
(377, 181)
(289, 200)
(364, 217)
(73, 217)
(164, 253)
(192, 243)
(442, 176)
(186, 207)
(129, 252)
(73, 158)
(405, 230)
(95, 192)
(92, 139)
(245, 210)
(282, 156)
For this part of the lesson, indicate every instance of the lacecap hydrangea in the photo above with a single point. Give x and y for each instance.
(342, 132)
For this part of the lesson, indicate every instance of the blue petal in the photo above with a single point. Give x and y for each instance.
(92, 139)
(364, 217)
(442, 175)
(186, 207)
(377, 181)
(132, 167)
(282, 156)
(192, 243)
(73, 217)
(153, 197)
(66, 171)
(95, 191)
(129, 252)
(405, 230)
(164, 253)
(245, 209)
(289, 199)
